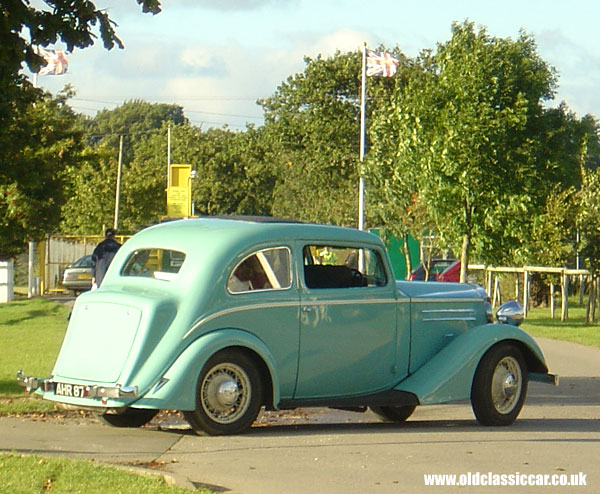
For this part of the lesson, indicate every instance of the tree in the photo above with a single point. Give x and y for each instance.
(23, 27)
(46, 139)
(467, 136)
(92, 186)
(31, 175)
(312, 124)
(588, 224)
(234, 175)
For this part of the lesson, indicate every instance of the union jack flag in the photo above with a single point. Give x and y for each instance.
(56, 62)
(381, 63)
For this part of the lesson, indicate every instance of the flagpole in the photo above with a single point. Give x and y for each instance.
(363, 104)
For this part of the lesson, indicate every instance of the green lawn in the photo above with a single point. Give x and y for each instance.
(25, 474)
(539, 323)
(31, 332)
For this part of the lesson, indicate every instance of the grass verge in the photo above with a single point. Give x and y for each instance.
(540, 323)
(31, 332)
(25, 474)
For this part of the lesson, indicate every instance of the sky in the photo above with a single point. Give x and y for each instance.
(216, 58)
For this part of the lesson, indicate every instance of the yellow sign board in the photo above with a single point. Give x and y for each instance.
(179, 192)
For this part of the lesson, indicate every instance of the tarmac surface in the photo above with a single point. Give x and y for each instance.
(320, 450)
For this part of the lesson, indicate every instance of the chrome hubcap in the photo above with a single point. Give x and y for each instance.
(510, 386)
(228, 393)
(225, 393)
(507, 383)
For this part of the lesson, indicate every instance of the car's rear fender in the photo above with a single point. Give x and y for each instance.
(176, 389)
(448, 376)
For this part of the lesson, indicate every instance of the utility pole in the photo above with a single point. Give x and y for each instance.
(118, 191)
(169, 156)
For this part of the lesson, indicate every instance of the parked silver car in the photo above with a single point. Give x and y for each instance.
(78, 276)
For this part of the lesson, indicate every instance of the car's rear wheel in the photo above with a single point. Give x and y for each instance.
(500, 385)
(229, 395)
(393, 414)
(130, 417)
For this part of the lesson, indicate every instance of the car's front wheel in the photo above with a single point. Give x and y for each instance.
(393, 414)
(229, 395)
(500, 385)
(130, 417)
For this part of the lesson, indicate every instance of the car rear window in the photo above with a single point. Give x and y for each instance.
(161, 264)
(267, 269)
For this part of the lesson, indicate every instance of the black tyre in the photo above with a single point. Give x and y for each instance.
(131, 417)
(393, 414)
(229, 395)
(499, 386)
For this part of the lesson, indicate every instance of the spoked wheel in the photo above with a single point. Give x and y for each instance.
(131, 417)
(393, 414)
(229, 395)
(499, 385)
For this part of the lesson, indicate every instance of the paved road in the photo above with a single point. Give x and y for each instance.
(558, 432)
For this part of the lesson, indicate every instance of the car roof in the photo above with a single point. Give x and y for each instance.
(242, 231)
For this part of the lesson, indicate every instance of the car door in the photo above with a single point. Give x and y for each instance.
(348, 316)
(264, 302)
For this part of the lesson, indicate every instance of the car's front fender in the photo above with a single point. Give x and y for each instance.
(176, 390)
(448, 376)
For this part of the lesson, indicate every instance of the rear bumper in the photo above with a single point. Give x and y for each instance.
(46, 385)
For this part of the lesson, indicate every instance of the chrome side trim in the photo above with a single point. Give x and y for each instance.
(446, 315)
(299, 304)
(425, 300)
(448, 311)
(350, 302)
(446, 319)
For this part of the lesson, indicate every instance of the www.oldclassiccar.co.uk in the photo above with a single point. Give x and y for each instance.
(506, 479)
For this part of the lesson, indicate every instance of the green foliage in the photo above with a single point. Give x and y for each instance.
(44, 140)
(552, 239)
(24, 26)
(90, 189)
(37, 137)
(468, 127)
(92, 185)
(588, 220)
(234, 176)
(462, 146)
(312, 124)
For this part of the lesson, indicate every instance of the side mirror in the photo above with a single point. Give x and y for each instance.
(510, 313)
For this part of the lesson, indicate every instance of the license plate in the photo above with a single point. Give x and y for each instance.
(84, 276)
(70, 390)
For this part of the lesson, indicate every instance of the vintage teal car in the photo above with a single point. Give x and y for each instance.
(218, 317)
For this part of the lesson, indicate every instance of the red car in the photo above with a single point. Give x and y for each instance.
(451, 273)
(439, 270)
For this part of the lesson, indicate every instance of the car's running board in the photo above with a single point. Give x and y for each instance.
(391, 397)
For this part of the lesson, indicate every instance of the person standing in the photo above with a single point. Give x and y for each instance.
(103, 255)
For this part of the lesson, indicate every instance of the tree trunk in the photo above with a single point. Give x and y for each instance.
(407, 258)
(464, 257)
(591, 304)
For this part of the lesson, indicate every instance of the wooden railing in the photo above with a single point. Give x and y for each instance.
(493, 284)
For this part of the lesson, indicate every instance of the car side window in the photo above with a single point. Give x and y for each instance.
(267, 269)
(327, 266)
